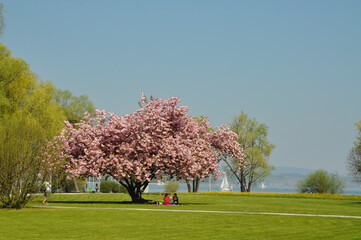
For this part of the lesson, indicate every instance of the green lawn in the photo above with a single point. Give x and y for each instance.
(48, 223)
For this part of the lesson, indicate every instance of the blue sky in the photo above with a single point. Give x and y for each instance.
(293, 65)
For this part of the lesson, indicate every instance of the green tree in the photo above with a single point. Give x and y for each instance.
(21, 143)
(73, 106)
(353, 163)
(16, 81)
(252, 136)
(321, 182)
(29, 117)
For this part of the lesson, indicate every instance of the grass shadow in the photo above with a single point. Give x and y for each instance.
(91, 202)
(117, 202)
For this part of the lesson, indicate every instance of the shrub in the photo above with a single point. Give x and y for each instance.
(69, 185)
(172, 187)
(110, 186)
(321, 182)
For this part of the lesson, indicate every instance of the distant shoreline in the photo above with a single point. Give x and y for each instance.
(215, 188)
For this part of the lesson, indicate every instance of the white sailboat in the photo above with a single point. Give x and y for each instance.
(225, 186)
(262, 186)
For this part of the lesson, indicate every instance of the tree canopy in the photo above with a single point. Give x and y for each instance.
(73, 106)
(29, 117)
(252, 137)
(22, 94)
(158, 140)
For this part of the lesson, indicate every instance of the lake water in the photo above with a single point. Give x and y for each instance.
(153, 187)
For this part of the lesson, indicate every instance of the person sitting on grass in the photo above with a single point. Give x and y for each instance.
(175, 199)
(166, 199)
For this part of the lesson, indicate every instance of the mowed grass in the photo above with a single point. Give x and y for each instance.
(97, 223)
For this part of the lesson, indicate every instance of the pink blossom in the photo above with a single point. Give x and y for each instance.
(159, 139)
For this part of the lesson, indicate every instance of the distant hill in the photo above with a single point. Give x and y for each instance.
(287, 177)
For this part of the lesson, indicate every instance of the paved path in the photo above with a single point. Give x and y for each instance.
(204, 211)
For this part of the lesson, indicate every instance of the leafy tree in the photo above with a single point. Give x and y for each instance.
(73, 106)
(22, 94)
(158, 140)
(21, 143)
(16, 82)
(252, 137)
(321, 182)
(353, 163)
(28, 119)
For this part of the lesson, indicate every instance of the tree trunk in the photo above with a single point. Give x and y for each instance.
(197, 180)
(135, 190)
(76, 185)
(250, 180)
(243, 182)
(195, 185)
(189, 186)
(136, 196)
(249, 187)
(243, 187)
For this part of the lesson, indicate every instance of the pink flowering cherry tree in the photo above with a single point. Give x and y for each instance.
(158, 140)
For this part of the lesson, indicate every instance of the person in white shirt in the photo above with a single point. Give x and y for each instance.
(46, 192)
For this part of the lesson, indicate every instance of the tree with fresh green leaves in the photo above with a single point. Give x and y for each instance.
(21, 93)
(29, 117)
(252, 136)
(353, 162)
(321, 181)
(22, 140)
(16, 81)
(74, 106)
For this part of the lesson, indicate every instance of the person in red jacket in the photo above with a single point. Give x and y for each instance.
(166, 199)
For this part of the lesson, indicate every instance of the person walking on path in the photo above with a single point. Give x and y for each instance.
(46, 192)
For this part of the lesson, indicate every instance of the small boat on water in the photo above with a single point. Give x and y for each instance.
(224, 185)
(262, 186)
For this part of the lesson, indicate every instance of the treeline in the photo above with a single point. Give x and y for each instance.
(32, 112)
